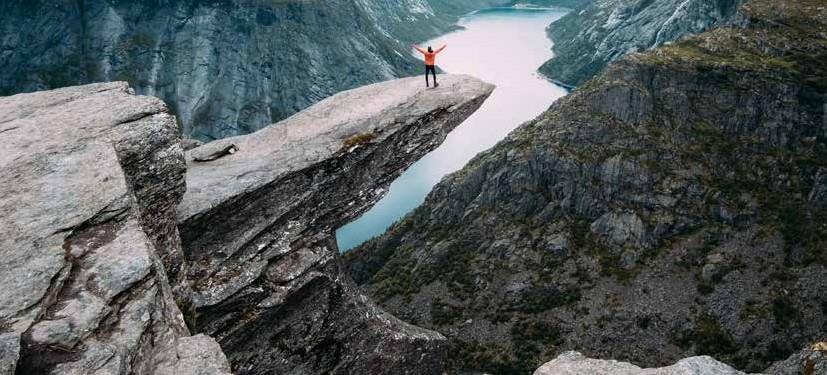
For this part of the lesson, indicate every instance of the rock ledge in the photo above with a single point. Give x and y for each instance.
(258, 223)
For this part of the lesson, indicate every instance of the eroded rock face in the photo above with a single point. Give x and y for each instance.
(670, 207)
(812, 360)
(574, 363)
(224, 67)
(89, 180)
(587, 40)
(258, 230)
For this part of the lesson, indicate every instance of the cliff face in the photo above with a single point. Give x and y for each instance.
(258, 223)
(605, 30)
(224, 67)
(94, 214)
(672, 206)
(89, 180)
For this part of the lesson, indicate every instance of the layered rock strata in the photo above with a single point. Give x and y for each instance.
(89, 180)
(258, 223)
(602, 31)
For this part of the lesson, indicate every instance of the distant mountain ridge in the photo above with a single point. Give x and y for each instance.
(605, 30)
(225, 67)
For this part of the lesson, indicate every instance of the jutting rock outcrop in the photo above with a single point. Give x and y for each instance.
(89, 180)
(587, 40)
(93, 271)
(673, 206)
(258, 221)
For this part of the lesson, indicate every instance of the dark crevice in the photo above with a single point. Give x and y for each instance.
(9, 129)
(111, 320)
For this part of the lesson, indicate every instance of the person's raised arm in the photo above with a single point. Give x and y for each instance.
(422, 51)
(441, 48)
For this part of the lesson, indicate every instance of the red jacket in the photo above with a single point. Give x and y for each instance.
(430, 57)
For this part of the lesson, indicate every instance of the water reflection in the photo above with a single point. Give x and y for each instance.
(503, 46)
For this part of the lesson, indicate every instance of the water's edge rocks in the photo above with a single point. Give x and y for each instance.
(258, 230)
(602, 31)
(91, 260)
(672, 206)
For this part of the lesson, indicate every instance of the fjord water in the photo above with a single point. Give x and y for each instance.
(503, 46)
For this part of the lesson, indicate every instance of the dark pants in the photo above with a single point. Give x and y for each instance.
(430, 69)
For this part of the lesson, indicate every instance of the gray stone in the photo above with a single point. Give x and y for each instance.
(9, 352)
(258, 227)
(574, 363)
(189, 143)
(712, 267)
(620, 229)
(819, 190)
(213, 151)
(89, 180)
(76, 320)
(197, 355)
(812, 360)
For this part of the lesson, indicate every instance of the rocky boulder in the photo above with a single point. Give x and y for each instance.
(574, 363)
(90, 254)
(258, 221)
(810, 361)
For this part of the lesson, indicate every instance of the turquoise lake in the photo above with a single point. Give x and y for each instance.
(503, 46)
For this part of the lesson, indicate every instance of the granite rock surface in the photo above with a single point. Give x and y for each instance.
(91, 258)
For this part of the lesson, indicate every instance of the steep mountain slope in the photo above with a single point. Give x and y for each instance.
(225, 67)
(672, 206)
(257, 227)
(111, 255)
(605, 30)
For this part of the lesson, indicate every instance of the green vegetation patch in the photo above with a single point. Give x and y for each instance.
(608, 258)
(396, 277)
(443, 313)
(542, 298)
(708, 338)
(533, 342)
(785, 312)
(475, 357)
(531, 339)
(188, 311)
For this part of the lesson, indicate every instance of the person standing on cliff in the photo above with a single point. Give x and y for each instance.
(430, 61)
